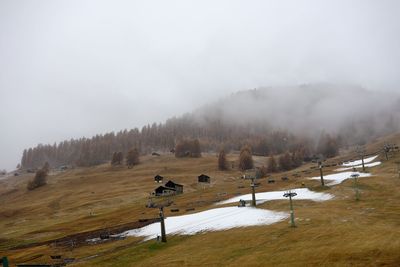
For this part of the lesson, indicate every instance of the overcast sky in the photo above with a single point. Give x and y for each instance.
(77, 68)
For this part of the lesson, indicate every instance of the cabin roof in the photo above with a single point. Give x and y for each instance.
(161, 187)
(172, 183)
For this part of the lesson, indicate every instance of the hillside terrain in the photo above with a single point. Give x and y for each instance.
(111, 199)
(270, 120)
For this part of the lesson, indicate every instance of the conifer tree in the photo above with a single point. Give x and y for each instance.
(132, 158)
(272, 166)
(285, 162)
(222, 164)
(245, 158)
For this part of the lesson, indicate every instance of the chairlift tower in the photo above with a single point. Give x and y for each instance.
(253, 192)
(163, 235)
(319, 160)
(291, 194)
(252, 176)
(387, 148)
(320, 166)
(361, 152)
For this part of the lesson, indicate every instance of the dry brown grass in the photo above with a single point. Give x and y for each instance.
(340, 232)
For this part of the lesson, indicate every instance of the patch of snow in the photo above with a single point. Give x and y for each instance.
(359, 162)
(368, 165)
(302, 193)
(337, 178)
(210, 220)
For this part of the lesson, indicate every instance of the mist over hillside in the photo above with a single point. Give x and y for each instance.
(271, 120)
(310, 109)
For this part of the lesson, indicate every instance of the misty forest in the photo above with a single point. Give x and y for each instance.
(313, 120)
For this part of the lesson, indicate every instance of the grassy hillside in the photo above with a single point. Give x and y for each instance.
(339, 232)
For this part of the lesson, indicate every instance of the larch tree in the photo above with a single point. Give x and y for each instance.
(245, 158)
(285, 162)
(222, 164)
(40, 178)
(132, 158)
(272, 165)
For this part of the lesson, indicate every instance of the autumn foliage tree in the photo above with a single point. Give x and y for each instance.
(285, 162)
(40, 178)
(46, 167)
(117, 158)
(132, 158)
(272, 165)
(188, 148)
(222, 164)
(245, 158)
(261, 172)
(328, 146)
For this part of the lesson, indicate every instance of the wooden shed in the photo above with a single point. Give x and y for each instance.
(204, 178)
(178, 187)
(158, 178)
(164, 191)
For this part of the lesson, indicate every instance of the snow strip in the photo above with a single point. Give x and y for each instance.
(210, 220)
(302, 193)
(368, 165)
(337, 178)
(359, 162)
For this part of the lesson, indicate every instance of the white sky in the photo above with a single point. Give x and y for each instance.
(77, 68)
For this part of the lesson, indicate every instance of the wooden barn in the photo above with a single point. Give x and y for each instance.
(158, 178)
(204, 178)
(177, 187)
(164, 191)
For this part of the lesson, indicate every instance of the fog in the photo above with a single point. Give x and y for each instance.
(310, 109)
(77, 68)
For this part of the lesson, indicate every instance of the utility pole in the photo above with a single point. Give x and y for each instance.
(387, 148)
(320, 166)
(253, 192)
(163, 235)
(291, 194)
(361, 152)
(355, 177)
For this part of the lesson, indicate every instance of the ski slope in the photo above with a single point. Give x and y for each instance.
(302, 193)
(337, 178)
(367, 165)
(210, 220)
(359, 162)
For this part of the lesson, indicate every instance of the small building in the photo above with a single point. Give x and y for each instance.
(158, 178)
(204, 178)
(164, 191)
(63, 168)
(177, 187)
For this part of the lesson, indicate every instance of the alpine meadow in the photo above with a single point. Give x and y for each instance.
(199, 133)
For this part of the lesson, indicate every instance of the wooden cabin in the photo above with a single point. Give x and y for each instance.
(204, 178)
(158, 178)
(164, 191)
(177, 187)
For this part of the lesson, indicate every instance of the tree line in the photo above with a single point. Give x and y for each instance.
(182, 136)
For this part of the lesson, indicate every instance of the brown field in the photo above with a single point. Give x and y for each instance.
(339, 232)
